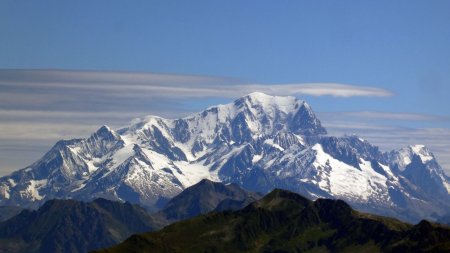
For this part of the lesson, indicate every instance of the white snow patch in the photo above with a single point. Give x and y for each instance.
(417, 148)
(33, 189)
(423, 152)
(285, 104)
(194, 173)
(4, 191)
(81, 186)
(122, 154)
(256, 158)
(12, 182)
(372, 175)
(447, 185)
(129, 139)
(91, 168)
(406, 160)
(158, 160)
(138, 171)
(271, 143)
(387, 170)
(348, 181)
(323, 184)
(300, 139)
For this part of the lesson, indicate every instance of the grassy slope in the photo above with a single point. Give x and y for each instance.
(286, 222)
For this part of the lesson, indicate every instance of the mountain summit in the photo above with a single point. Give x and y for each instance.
(258, 142)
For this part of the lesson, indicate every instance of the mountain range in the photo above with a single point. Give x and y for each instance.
(258, 142)
(233, 220)
(283, 221)
(72, 226)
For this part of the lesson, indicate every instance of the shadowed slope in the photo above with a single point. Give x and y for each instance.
(205, 197)
(7, 212)
(73, 226)
(286, 222)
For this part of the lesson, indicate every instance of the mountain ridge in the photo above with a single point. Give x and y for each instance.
(284, 221)
(76, 226)
(258, 142)
(73, 226)
(206, 196)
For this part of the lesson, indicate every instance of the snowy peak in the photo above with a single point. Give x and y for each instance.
(101, 142)
(104, 129)
(259, 103)
(267, 115)
(404, 157)
(418, 165)
(300, 117)
(422, 151)
(268, 104)
(106, 133)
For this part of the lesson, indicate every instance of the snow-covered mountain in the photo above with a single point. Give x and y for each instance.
(259, 142)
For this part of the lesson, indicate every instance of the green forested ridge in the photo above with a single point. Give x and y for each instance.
(286, 222)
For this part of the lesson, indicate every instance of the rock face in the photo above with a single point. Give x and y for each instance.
(258, 142)
(283, 221)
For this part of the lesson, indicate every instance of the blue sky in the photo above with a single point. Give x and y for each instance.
(399, 49)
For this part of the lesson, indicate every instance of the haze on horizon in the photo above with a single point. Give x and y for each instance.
(377, 69)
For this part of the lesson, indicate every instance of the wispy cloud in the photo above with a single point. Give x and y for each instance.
(90, 96)
(322, 89)
(44, 131)
(400, 116)
(117, 84)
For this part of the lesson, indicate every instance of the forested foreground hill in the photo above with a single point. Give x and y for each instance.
(283, 221)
